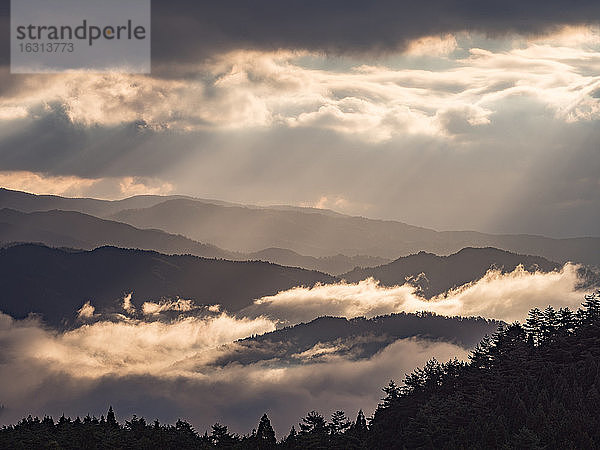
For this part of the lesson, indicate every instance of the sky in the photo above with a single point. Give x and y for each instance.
(480, 116)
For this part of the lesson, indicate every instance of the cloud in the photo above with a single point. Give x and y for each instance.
(164, 366)
(86, 311)
(337, 203)
(507, 297)
(74, 186)
(39, 183)
(127, 306)
(164, 371)
(432, 46)
(570, 36)
(247, 89)
(495, 136)
(130, 186)
(151, 308)
(184, 30)
(125, 345)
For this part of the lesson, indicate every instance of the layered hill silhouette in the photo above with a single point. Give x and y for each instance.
(78, 230)
(334, 265)
(57, 282)
(434, 274)
(320, 234)
(26, 202)
(307, 231)
(354, 338)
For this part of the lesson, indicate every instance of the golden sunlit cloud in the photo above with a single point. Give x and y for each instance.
(252, 89)
(337, 203)
(570, 36)
(506, 297)
(73, 186)
(37, 183)
(186, 358)
(175, 363)
(432, 46)
(135, 186)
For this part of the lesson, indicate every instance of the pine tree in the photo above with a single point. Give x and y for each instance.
(360, 425)
(313, 422)
(265, 434)
(314, 431)
(566, 320)
(221, 437)
(291, 437)
(393, 392)
(550, 323)
(591, 306)
(480, 356)
(533, 325)
(111, 421)
(339, 423)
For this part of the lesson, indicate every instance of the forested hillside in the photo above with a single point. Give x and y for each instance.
(57, 282)
(357, 337)
(530, 386)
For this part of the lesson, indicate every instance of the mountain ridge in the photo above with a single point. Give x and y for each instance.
(316, 233)
(249, 230)
(56, 283)
(440, 273)
(57, 228)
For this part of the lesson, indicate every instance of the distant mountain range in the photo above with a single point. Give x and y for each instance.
(57, 282)
(333, 265)
(313, 233)
(435, 274)
(82, 231)
(101, 260)
(26, 202)
(307, 231)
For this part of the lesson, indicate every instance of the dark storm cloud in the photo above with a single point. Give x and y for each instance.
(48, 141)
(184, 29)
(187, 30)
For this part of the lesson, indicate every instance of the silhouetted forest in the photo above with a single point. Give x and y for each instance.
(53, 282)
(359, 337)
(529, 386)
